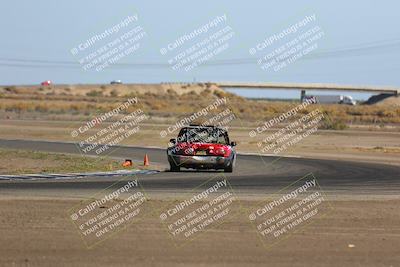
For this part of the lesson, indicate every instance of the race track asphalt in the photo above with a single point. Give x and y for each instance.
(253, 173)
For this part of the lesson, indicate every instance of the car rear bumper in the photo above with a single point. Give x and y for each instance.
(199, 162)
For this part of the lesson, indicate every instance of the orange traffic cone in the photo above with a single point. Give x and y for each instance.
(146, 160)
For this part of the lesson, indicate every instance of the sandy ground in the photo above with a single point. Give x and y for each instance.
(37, 232)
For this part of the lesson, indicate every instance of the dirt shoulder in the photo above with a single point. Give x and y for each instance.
(24, 161)
(38, 232)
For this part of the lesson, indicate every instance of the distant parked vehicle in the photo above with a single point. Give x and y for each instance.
(331, 99)
(116, 82)
(46, 83)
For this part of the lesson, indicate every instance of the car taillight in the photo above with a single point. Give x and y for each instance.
(219, 152)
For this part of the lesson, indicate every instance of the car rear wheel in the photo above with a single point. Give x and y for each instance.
(231, 163)
(229, 168)
(174, 168)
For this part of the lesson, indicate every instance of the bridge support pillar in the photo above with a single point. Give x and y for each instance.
(302, 95)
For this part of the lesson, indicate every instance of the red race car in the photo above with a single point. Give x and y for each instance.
(46, 83)
(202, 147)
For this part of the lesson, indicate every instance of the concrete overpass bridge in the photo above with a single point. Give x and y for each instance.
(311, 86)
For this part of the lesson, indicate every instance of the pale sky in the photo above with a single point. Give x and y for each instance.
(361, 42)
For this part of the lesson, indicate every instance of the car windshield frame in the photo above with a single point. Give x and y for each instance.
(215, 135)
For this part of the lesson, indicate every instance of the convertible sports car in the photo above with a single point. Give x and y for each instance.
(202, 147)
